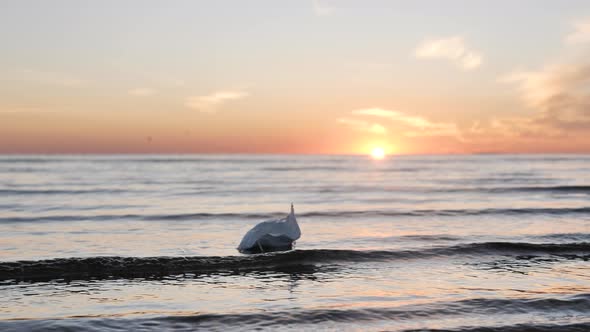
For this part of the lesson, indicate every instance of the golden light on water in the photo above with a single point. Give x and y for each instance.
(378, 153)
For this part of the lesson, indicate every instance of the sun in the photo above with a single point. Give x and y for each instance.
(378, 153)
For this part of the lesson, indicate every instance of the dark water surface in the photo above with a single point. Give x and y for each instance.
(452, 243)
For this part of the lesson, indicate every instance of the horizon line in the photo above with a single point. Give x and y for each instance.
(279, 154)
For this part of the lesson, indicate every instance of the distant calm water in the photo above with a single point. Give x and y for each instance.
(459, 243)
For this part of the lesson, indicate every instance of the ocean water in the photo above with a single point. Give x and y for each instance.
(148, 243)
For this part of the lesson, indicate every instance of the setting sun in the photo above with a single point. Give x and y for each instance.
(378, 153)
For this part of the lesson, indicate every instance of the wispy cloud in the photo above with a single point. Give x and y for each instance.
(560, 95)
(360, 125)
(210, 103)
(416, 126)
(141, 92)
(581, 33)
(453, 49)
(320, 8)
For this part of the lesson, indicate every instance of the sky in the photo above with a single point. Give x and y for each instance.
(295, 76)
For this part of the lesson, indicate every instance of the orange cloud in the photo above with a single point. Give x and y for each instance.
(559, 94)
(453, 49)
(581, 33)
(210, 103)
(374, 128)
(415, 125)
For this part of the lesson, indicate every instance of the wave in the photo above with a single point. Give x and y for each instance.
(305, 318)
(480, 306)
(304, 168)
(340, 167)
(579, 327)
(423, 237)
(449, 212)
(193, 324)
(311, 214)
(10, 192)
(132, 267)
(453, 187)
(13, 160)
(556, 189)
(212, 190)
(573, 237)
(152, 217)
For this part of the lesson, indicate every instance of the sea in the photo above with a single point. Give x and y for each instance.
(408, 243)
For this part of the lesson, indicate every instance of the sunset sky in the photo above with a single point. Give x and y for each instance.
(294, 76)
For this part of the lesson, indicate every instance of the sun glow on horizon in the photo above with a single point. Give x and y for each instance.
(378, 153)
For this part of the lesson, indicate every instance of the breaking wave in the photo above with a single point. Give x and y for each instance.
(132, 267)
